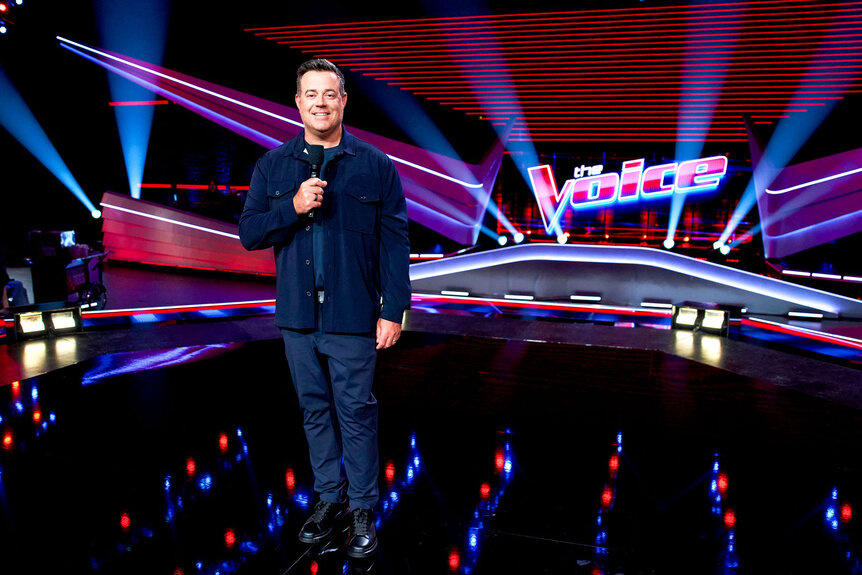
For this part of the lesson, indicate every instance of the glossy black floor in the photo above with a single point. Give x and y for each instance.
(497, 457)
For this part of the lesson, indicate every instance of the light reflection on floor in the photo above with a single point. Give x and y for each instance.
(644, 463)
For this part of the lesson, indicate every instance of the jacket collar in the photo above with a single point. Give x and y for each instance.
(296, 147)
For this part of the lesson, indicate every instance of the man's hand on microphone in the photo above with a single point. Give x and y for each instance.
(309, 196)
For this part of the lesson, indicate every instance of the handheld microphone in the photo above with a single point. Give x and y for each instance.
(315, 158)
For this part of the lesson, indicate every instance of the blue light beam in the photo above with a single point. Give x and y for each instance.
(527, 147)
(693, 91)
(138, 28)
(19, 121)
(789, 136)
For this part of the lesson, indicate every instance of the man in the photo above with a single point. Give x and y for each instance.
(342, 259)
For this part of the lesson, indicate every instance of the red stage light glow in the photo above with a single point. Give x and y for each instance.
(454, 560)
(290, 479)
(16, 387)
(222, 442)
(485, 491)
(314, 567)
(230, 538)
(722, 483)
(846, 513)
(8, 440)
(390, 472)
(190, 466)
(730, 518)
(614, 463)
(125, 521)
(37, 415)
(499, 460)
(607, 497)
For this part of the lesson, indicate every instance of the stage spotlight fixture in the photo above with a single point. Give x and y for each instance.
(715, 321)
(503, 240)
(3, 8)
(65, 320)
(48, 322)
(518, 237)
(668, 243)
(562, 239)
(685, 317)
(96, 214)
(716, 245)
(3, 28)
(30, 324)
(725, 249)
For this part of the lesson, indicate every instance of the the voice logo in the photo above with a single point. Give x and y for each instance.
(590, 188)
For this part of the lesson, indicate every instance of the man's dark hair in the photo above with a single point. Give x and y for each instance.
(318, 65)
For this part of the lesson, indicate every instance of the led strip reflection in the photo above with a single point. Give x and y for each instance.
(510, 302)
(803, 332)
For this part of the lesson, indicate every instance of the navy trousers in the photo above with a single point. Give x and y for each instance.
(333, 374)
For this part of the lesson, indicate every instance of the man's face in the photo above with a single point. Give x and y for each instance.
(321, 106)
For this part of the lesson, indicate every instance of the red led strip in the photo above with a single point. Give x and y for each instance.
(140, 103)
(498, 35)
(605, 14)
(768, 58)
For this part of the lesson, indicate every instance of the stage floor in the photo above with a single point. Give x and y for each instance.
(508, 445)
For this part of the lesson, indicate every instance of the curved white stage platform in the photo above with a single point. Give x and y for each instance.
(621, 276)
(144, 232)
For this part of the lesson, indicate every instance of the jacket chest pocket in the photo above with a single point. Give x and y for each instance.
(361, 208)
(278, 190)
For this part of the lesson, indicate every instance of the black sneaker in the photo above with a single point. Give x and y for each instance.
(363, 536)
(320, 524)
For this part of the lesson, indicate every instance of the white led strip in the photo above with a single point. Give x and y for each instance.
(170, 221)
(813, 182)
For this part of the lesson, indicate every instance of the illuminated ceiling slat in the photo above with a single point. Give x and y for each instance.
(603, 15)
(767, 58)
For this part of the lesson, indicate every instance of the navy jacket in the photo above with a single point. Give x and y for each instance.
(366, 247)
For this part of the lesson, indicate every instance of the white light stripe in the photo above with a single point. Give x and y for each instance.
(455, 293)
(150, 310)
(433, 173)
(813, 182)
(657, 305)
(181, 82)
(825, 276)
(805, 314)
(254, 108)
(518, 297)
(170, 221)
(796, 273)
(852, 279)
(585, 297)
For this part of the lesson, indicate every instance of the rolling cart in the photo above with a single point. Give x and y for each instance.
(84, 282)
